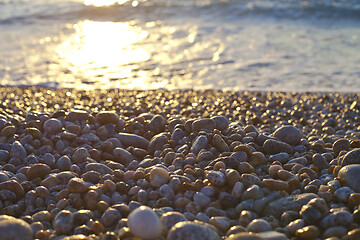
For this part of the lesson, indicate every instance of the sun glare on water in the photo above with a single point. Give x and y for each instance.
(103, 3)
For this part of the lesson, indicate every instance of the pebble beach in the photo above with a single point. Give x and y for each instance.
(178, 165)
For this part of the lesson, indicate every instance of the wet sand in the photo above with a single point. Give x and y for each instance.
(225, 165)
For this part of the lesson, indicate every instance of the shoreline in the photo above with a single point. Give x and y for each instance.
(221, 164)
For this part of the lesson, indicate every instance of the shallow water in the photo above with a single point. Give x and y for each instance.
(220, 44)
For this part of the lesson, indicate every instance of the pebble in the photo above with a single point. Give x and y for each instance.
(157, 124)
(221, 122)
(18, 151)
(220, 144)
(338, 218)
(201, 199)
(289, 134)
(290, 203)
(39, 170)
(77, 115)
(157, 142)
(14, 229)
(127, 139)
(350, 175)
(201, 142)
(110, 217)
(342, 194)
(8, 131)
(158, 176)
(352, 157)
(77, 185)
(308, 232)
(193, 231)
(258, 225)
(221, 223)
(122, 156)
(80, 155)
(216, 178)
(277, 185)
(340, 145)
(63, 222)
(320, 162)
(245, 236)
(13, 186)
(282, 157)
(105, 117)
(272, 146)
(203, 124)
(169, 219)
(144, 223)
(52, 126)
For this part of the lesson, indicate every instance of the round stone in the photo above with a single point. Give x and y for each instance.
(110, 217)
(80, 155)
(289, 134)
(245, 236)
(63, 222)
(144, 223)
(216, 178)
(14, 229)
(52, 126)
(18, 150)
(352, 157)
(259, 225)
(193, 231)
(308, 232)
(277, 185)
(169, 219)
(39, 170)
(106, 117)
(350, 175)
(340, 145)
(77, 185)
(158, 176)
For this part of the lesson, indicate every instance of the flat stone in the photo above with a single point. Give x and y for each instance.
(105, 117)
(352, 157)
(128, 139)
(13, 186)
(289, 134)
(77, 115)
(122, 156)
(193, 231)
(39, 170)
(277, 185)
(157, 142)
(290, 203)
(203, 124)
(272, 146)
(350, 175)
(101, 168)
(14, 229)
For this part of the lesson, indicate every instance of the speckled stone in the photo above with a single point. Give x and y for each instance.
(14, 229)
(144, 223)
(80, 155)
(289, 134)
(192, 231)
(216, 178)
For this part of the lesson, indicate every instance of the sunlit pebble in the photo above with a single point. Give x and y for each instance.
(158, 176)
(144, 223)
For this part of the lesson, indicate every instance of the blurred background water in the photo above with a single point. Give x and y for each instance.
(281, 45)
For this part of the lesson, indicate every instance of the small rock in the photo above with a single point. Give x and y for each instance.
(77, 185)
(52, 126)
(39, 170)
(216, 178)
(245, 236)
(201, 142)
(203, 124)
(63, 222)
(289, 134)
(110, 217)
(8, 131)
(352, 157)
(144, 223)
(80, 155)
(350, 175)
(272, 146)
(201, 199)
(283, 157)
(221, 223)
(320, 162)
(63, 163)
(14, 229)
(342, 194)
(308, 232)
(277, 185)
(338, 218)
(273, 235)
(122, 156)
(221, 122)
(105, 117)
(259, 225)
(157, 142)
(18, 151)
(98, 167)
(13, 186)
(169, 219)
(4, 156)
(340, 145)
(128, 139)
(220, 144)
(158, 176)
(77, 115)
(157, 124)
(193, 231)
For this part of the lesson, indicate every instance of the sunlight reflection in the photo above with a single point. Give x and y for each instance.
(100, 49)
(103, 3)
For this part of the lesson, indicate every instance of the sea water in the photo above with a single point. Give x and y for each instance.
(280, 45)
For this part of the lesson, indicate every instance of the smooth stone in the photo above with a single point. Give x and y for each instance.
(122, 156)
(245, 236)
(13, 186)
(350, 175)
(308, 232)
(259, 225)
(18, 151)
(169, 219)
(39, 170)
(290, 203)
(277, 185)
(77, 185)
(127, 139)
(310, 214)
(249, 180)
(99, 167)
(342, 194)
(240, 156)
(157, 142)
(192, 231)
(110, 217)
(177, 135)
(320, 162)
(338, 218)
(337, 231)
(201, 199)
(144, 223)
(272, 146)
(273, 235)
(289, 134)
(221, 223)
(90, 137)
(80, 155)
(63, 222)
(220, 144)
(222, 123)
(14, 229)
(157, 124)
(63, 163)
(77, 115)
(105, 117)
(52, 126)
(8, 131)
(257, 159)
(238, 189)
(352, 157)
(158, 176)
(216, 178)
(340, 145)
(201, 142)
(203, 124)
(4, 156)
